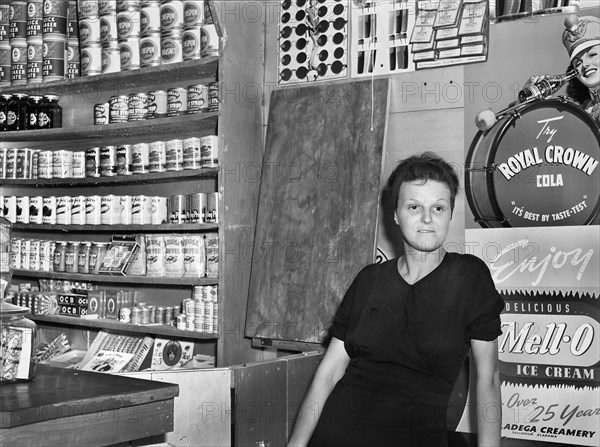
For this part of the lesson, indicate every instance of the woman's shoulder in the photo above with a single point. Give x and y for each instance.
(379, 268)
(467, 261)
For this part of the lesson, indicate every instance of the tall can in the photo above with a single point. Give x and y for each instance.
(140, 158)
(72, 20)
(62, 164)
(92, 162)
(150, 17)
(159, 211)
(171, 15)
(176, 101)
(6, 65)
(22, 209)
(4, 21)
(78, 210)
(55, 58)
(18, 71)
(35, 18)
(108, 161)
(18, 20)
(110, 213)
(193, 12)
(209, 151)
(35, 59)
(101, 113)
(150, 50)
(108, 28)
(210, 41)
(64, 205)
(197, 98)
(157, 156)
(55, 18)
(141, 210)
(45, 164)
(78, 164)
(23, 163)
(157, 104)
(73, 61)
(124, 159)
(174, 155)
(49, 210)
(10, 208)
(126, 204)
(130, 54)
(93, 206)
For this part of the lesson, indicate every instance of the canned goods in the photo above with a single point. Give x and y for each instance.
(191, 153)
(97, 252)
(171, 50)
(126, 204)
(55, 17)
(36, 206)
(22, 209)
(83, 258)
(78, 167)
(193, 12)
(176, 207)
(141, 210)
(91, 59)
(212, 207)
(49, 210)
(78, 210)
(125, 315)
(171, 15)
(197, 207)
(159, 211)
(128, 23)
(197, 98)
(108, 28)
(130, 54)
(34, 163)
(111, 58)
(72, 257)
(11, 163)
(92, 162)
(157, 104)
(150, 17)
(15, 253)
(17, 20)
(150, 50)
(46, 252)
(213, 97)
(23, 163)
(157, 156)
(55, 55)
(124, 159)
(174, 155)
(62, 164)
(191, 45)
(107, 6)
(176, 101)
(59, 255)
(101, 113)
(140, 158)
(6, 67)
(18, 72)
(93, 210)
(35, 60)
(91, 31)
(119, 109)
(138, 106)
(72, 22)
(110, 210)
(73, 61)
(209, 40)
(64, 206)
(136, 315)
(108, 161)
(209, 149)
(89, 8)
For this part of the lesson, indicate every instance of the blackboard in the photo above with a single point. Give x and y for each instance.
(318, 205)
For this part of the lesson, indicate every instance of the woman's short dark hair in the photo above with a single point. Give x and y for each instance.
(427, 166)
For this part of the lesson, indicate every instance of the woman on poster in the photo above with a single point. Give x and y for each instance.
(404, 329)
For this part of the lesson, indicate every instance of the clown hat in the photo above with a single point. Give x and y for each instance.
(580, 33)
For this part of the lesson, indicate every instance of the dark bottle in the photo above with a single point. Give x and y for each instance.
(4, 100)
(35, 103)
(16, 115)
(50, 115)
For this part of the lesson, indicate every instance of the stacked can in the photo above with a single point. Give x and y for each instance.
(73, 61)
(193, 19)
(128, 32)
(54, 29)
(209, 38)
(17, 33)
(150, 33)
(35, 18)
(109, 43)
(5, 53)
(89, 38)
(171, 31)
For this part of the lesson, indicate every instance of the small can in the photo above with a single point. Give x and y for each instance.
(177, 101)
(141, 210)
(111, 58)
(136, 315)
(209, 40)
(15, 253)
(62, 164)
(25, 253)
(22, 209)
(212, 207)
(58, 256)
(23, 163)
(92, 162)
(110, 210)
(46, 252)
(171, 50)
(124, 159)
(72, 257)
(150, 50)
(140, 158)
(171, 15)
(176, 207)
(78, 164)
(130, 54)
(83, 259)
(213, 97)
(89, 8)
(64, 205)
(197, 207)
(108, 161)
(97, 252)
(197, 98)
(49, 210)
(93, 213)
(191, 46)
(174, 155)
(119, 109)
(128, 23)
(159, 211)
(34, 254)
(108, 28)
(150, 17)
(90, 59)
(78, 210)
(90, 31)
(125, 315)
(159, 317)
(36, 206)
(126, 204)
(138, 106)
(11, 163)
(157, 104)
(193, 12)
(209, 151)
(10, 208)
(101, 113)
(157, 156)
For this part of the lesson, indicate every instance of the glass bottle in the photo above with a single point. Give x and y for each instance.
(17, 338)
(33, 109)
(4, 100)
(16, 114)
(50, 116)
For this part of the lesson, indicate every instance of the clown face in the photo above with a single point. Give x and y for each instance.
(587, 64)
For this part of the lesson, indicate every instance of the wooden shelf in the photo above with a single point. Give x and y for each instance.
(103, 323)
(145, 280)
(166, 127)
(135, 179)
(204, 69)
(166, 228)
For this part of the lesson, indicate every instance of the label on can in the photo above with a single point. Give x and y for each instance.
(36, 205)
(141, 210)
(18, 61)
(191, 153)
(138, 106)
(35, 18)
(93, 210)
(107, 7)
(90, 8)
(10, 208)
(22, 209)
(63, 210)
(197, 207)
(176, 101)
(150, 18)
(18, 20)
(197, 98)
(140, 158)
(108, 28)
(78, 164)
(174, 155)
(157, 104)
(108, 161)
(171, 15)
(213, 97)
(101, 113)
(150, 50)
(35, 60)
(111, 59)
(119, 109)
(157, 156)
(92, 162)
(209, 40)
(124, 159)
(126, 203)
(190, 43)
(23, 165)
(55, 56)
(176, 206)
(45, 164)
(159, 211)
(62, 164)
(130, 54)
(170, 49)
(78, 210)
(91, 59)
(49, 210)
(193, 12)
(128, 24)
(90, 31)
(55, 17)
(110, 213)
(209, 147)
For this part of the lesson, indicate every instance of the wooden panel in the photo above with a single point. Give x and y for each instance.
(318, 205)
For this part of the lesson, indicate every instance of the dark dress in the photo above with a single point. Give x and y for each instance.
(406, 344)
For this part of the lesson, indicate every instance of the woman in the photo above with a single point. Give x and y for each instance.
(404, 329)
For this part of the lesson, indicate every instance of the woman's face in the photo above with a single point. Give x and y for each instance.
(423, 214)
(587, 64)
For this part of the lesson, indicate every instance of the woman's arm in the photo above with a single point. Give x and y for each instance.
(330, 370)
(489, 401)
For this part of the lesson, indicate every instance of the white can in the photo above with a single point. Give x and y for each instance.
(62, 164)
(34, 254)
(89, 31)
(171, 15)
(46, 252)
(141, 210)
(22, 209)
(79, 164)
(64, 205)
(157, 156)
(174, 155)
(209, 40)
(10, 208)
(159, 211)
(126, 205)
(108, 28)
(15, 253)
(193, 12)
(45, 164)
(36, 206)
(110, 210)
(191, 153)
(140, 158)
(209, 151)
(130, 54)
(93, 211)
(49, 210)
(78, 204)
(25, 253)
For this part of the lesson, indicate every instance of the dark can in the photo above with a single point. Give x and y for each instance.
(138, 106)
(16, 115)
(119, 109)
(55, 57)
(6, 63)
(72, 22)
(177, 101)
(4, 21)
(18, 20)
(55, 17)
(35, 60)
(72, 257)
(176, 208)
(83, 259)
(73, 61)
(50, 114)
(197, 98)
(4, 100)
(35, 18)
(23, 165)
(18, 71)
(213, 97)
(101, 113)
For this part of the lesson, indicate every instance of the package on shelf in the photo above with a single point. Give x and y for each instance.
(119, 256)
(211, 241)
(194, 256)
(174, 255)
(139, 262)
(155, 255)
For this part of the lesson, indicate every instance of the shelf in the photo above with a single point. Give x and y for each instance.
(204, 69)
(150, 280)
(152, 177)
(165, 127)
(103, 323)
(164, 228)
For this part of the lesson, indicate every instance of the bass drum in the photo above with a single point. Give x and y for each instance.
(536, 167)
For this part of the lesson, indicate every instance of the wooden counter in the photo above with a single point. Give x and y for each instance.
(78, 408)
